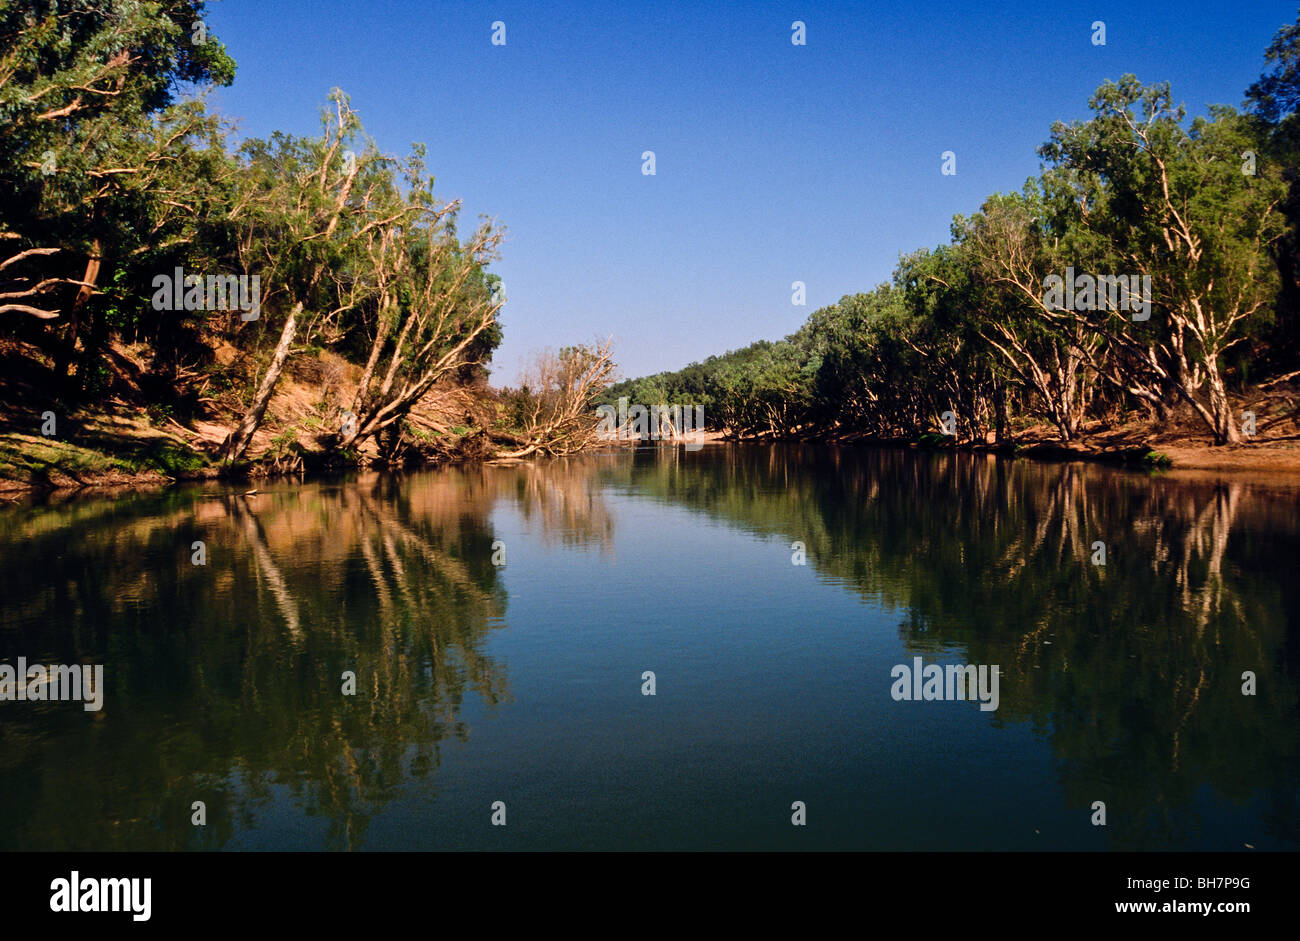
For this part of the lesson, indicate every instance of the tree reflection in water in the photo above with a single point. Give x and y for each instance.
(224, 681)
(1132, 670)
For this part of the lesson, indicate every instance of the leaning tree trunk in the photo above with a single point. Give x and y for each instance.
(237, 441)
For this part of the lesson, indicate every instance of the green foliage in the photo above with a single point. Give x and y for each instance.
(112, 179)
(1277, 93)
(1135, 190)
(172, 460)
(104, 172)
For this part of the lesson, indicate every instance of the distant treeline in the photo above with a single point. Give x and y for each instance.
(1148, 273)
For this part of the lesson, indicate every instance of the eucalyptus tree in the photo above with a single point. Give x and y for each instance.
(554, 406)
(1011, 249)
(304, 213)
(867, 379)
(1273, 101)
(91, 141)
(945, 305)
(438, 316)
(1173, 203)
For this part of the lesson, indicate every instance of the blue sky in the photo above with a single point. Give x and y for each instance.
(774, 162)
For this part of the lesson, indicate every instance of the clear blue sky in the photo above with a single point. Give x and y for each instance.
(775, 163)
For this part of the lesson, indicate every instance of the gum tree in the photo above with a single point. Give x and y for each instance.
(304, 212)
(1173, 202)
(1010, 249)
(1273, 101)
(91, 137)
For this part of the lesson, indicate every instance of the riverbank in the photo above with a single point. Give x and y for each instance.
(130, 433)
(125, 440)
(1275, 448)
(32, 464)
(1177, 443)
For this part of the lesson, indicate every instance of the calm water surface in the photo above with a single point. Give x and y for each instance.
(522, 682)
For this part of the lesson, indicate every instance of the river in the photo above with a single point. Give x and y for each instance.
(502, 627)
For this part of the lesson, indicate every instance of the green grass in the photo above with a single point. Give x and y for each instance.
(29, 459)
(39, 461)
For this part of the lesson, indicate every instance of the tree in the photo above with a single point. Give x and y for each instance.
(437, 308)
(1012, 250)
(305, 211)
(1173, 203)
(555, 402)
(1272, 101)
(90, 139)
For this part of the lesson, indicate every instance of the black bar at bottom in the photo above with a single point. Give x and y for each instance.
(367, 891)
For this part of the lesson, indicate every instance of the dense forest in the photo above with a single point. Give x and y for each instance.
(1146, 278)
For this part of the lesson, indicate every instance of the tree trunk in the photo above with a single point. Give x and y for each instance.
(65, 354)
(237, 441)
(1225, 429)
(1002, 421)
